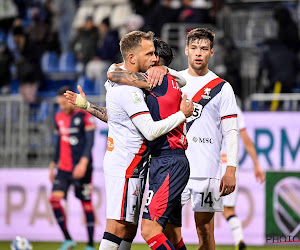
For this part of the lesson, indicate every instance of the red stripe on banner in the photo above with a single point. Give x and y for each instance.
(228, 116)
(136, 160)
(140, 113)
(198, 96)
(123, 200)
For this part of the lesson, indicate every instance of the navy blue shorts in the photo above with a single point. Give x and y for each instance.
(83, 186)
(169, 173)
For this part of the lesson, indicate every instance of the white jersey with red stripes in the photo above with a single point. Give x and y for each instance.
(204, 135)
(126, 145)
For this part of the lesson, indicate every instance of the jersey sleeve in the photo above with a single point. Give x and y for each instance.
(133, 102)
(89, 122)
(241, 119)
(228, 106)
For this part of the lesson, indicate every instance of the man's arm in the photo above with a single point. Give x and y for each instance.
(135, 79)
(259, 174)
(80, 101)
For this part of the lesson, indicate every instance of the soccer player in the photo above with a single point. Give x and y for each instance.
(75, 129)
(214, 118)
(169, 168)
(229, 201)
(129, 122)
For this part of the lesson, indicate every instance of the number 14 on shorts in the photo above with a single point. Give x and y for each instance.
(207, 200)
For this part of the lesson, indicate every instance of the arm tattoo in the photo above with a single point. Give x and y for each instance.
(126, 76)
(99, 112)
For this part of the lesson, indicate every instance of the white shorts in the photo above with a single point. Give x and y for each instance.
(124, 198)
(204, 194)
(230, 200)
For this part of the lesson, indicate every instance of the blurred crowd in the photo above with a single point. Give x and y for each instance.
(44, 43)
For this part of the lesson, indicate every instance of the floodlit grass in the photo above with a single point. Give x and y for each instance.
(80, 246)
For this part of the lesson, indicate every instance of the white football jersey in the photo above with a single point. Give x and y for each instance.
(204, 134)
(126, 145)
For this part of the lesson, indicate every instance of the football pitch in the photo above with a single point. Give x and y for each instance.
(80, 246)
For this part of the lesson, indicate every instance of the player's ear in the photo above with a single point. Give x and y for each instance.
(211, 52)
(131, 58)
(186, 50)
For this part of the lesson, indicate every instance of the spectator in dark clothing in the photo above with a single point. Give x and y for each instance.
(107, 51)
(85, 42)
(108, 42)
(28, 70)
(288, 32)
(281, 64)
(6, 60)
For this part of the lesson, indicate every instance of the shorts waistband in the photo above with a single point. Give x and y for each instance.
(168, 152)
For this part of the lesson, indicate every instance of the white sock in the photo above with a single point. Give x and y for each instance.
(108, 245)
(236, 229)
(125, 245)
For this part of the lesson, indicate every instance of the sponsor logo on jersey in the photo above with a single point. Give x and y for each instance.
(110, 144)
(206, 93)
(136, 97)
(203, 140)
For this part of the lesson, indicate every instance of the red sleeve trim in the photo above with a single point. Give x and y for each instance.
(228, 116)
(139, 113)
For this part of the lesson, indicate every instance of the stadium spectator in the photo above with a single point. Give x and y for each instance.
(279, 55)
(38, 31)
(75, 130)
(27, 61)
(6, 60)
(166, 11)
(196, 11)
(229, 201)
(229, 65)
(214, 118)
(8, 12)
(85, 42)
(64, 12)
(107, 51)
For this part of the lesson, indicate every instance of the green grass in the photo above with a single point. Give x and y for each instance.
(80, 246)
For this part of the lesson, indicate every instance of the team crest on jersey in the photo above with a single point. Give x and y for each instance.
(206, 93)
(77, 121)
(136, 97)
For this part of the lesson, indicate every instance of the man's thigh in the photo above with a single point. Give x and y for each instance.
(62, 182)
(124, 198)
(167, 179)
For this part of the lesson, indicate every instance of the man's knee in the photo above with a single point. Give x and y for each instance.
(150, 228)
(55, 198)
(118, 228)
(204, 224)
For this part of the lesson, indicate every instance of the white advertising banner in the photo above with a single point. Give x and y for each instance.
(276, 137)
(25, 210)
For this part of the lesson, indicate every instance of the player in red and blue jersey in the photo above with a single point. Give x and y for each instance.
(169, 169)
(75, 129)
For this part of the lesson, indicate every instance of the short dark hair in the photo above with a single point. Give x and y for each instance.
(163, 51)
(200, 33)
(133, 40)
(63, 90)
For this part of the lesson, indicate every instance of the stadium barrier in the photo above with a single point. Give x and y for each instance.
(26, 131)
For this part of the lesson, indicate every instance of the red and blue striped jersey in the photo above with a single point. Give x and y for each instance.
(163, 101)
(71, 129)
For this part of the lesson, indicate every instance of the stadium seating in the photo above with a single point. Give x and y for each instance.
(67, 63)
(87, 85)
(49, 62)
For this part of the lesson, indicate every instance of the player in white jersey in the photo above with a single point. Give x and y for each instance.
(129, 124)
(213, 120)
(229, 201)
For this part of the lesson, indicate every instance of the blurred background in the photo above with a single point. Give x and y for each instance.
(47, 44)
